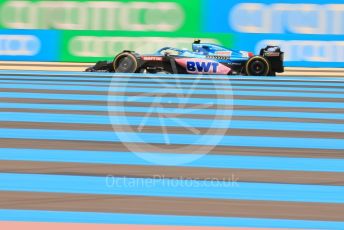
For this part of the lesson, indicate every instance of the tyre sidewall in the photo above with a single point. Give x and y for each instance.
(262, 60)
(123, 55)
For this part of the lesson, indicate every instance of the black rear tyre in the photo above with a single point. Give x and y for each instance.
(257, 66)
(125, 63)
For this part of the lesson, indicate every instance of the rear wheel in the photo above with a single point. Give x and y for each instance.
(257, 66)
(125, 63)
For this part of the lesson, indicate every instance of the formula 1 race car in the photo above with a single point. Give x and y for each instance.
(203, 59)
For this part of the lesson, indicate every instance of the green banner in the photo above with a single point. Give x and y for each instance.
(105, 15)
(91, 30)
(82, 46)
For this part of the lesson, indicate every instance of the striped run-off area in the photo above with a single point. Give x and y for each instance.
(155, 151)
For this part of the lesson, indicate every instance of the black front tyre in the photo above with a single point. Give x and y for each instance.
(257, 66)
(125, 63)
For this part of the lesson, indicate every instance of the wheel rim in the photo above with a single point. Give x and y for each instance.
(257, 68)
(125, 64)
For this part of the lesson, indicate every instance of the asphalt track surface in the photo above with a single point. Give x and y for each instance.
(100, 148)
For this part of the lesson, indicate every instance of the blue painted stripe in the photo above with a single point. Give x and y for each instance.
(171, 188)
(123, 83)
(51, 81)
(62, 77)
(105, 98)
(289, 114)
(244, 81)
(203, 161)
(147, 99)
(118, 75)
(276, 103)
(204, 140)
(181, 80)
(168, 122)
(67, 107)
(280, 94)
(55, 87)
(142, 89)
(262, 87)
(140, 219)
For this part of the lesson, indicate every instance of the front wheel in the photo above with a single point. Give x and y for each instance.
(125, 63)
(257, 66)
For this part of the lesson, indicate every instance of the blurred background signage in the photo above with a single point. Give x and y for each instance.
(310, 32)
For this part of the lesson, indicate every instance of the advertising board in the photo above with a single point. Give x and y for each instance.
(29, 45)
(104, 15)
(87, 46)
(310, 32)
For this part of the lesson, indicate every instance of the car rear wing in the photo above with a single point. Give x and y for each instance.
(275, 56)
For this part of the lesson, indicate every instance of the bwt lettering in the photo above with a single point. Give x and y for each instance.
(92, 15)
(205, 67)
(287, 18)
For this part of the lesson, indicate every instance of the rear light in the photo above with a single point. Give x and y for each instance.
(250, 54)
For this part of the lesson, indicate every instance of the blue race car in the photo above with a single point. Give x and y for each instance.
(204, 58)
